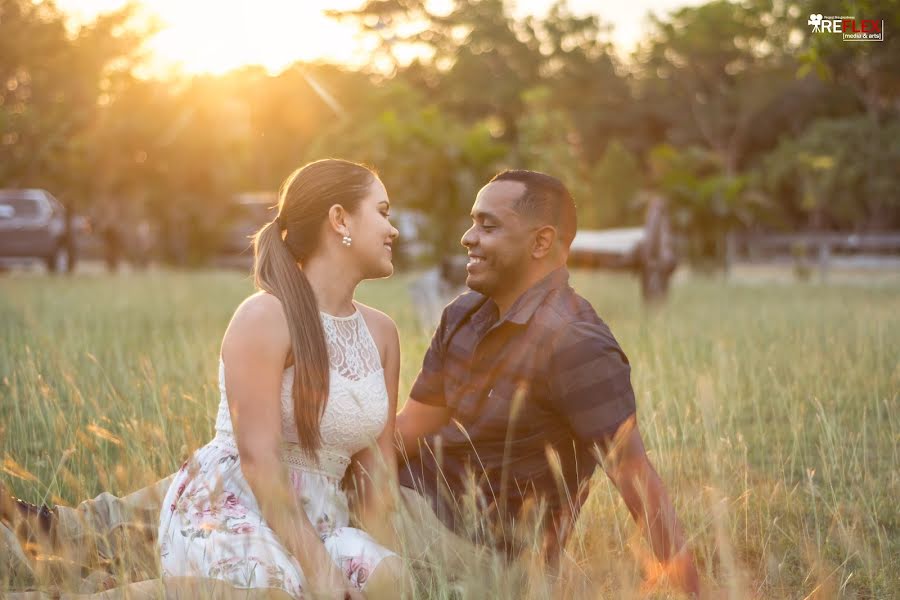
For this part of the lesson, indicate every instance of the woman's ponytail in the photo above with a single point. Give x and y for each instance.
(279, 248)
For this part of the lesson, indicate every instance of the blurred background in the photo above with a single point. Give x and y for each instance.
(700, 139)
(160, 130)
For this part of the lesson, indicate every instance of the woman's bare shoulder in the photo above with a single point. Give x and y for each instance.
(260, 318)
(377, 318)
(381, 325)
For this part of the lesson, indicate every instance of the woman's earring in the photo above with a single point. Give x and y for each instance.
(347, 240)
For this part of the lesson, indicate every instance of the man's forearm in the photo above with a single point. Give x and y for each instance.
(654, 512)
(663, 529)
(414, 422)
(407, 447)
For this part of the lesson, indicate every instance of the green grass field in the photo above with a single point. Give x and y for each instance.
(770, 411)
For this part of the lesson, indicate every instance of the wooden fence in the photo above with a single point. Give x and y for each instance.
(809, 249)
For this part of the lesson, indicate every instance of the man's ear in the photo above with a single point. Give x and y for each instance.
(337, 219)
(544, 239)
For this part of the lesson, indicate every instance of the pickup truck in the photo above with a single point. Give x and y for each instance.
(34, 226)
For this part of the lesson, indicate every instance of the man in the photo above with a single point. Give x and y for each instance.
(521, 392)
(524, 388)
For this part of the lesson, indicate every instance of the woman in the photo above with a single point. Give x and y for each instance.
(308, 381)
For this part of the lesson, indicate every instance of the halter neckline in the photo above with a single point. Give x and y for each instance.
(335, 318)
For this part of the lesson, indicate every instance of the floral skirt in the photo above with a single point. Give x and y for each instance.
(210, 526)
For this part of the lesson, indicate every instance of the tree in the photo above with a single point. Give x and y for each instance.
(705, 202)
(475, 61)
(395, 26)
(548, 142)
(579, 65)
(616, 180)
(867, 70)
(712, 71)
(285, 113)
(840, 174)
(428, 161)
(53, 85)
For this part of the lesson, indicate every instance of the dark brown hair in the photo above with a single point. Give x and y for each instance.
(547, 199)
(303, 203)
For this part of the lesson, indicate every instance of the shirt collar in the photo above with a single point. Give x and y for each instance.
(525, 306)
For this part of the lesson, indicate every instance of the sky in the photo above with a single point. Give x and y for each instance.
(215, 36)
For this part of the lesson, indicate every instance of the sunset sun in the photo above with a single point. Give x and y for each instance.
(205, 36)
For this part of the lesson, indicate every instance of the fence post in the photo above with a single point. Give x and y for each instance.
(824, 259)
(731, 249)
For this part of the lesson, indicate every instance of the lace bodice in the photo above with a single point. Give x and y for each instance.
(356, 409)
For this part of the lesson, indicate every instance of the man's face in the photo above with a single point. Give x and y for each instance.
(500, 240)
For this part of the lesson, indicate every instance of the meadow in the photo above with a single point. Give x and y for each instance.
(771, 411)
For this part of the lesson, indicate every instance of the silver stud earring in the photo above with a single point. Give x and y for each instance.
(347, 240)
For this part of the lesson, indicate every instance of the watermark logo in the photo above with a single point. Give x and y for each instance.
(850, 28)
(816, 22)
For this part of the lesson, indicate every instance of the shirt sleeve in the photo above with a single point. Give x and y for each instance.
(428, 388)
(590, 379)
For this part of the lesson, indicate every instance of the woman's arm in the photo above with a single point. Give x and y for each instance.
(375, 468)
(254, 351)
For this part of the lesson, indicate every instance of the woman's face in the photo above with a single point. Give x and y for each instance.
(372, 233)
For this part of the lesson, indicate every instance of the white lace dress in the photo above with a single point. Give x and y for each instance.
(210, 524)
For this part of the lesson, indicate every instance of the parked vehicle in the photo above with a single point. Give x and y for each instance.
(35, 226)
(243, 217)
(239, 219)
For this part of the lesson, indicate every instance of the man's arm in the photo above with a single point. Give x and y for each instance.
(591, 380)
(425, 411)
(625, 460)
(415, 421)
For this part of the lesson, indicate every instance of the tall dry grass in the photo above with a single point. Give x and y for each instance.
(771, 412)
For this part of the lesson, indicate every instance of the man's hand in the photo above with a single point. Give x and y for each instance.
(625, 461)
(415, 421)
(678, 572)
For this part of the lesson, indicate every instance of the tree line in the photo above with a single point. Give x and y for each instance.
(736, 112)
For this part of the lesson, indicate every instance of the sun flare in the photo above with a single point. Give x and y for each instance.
(206, 36)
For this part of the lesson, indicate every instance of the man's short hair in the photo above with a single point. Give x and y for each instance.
(546, 199)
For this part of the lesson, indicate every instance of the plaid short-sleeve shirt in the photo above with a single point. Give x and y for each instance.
(549, 374)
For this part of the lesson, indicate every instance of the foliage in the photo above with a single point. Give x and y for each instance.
(840, 174)
(867, 70)
(706, 201)
(617, 179)
(428, 162)
(52, 84)
(712, 96)
(605, 192)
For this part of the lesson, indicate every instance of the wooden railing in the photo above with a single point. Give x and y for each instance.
(809, 249)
